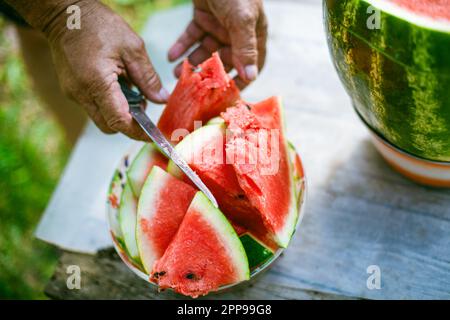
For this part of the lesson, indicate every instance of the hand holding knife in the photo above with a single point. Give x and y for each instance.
(135, 100)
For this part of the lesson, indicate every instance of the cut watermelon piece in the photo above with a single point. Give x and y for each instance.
(142, 164)
(262, 166)
(161, 208)
(127, 221)
(298, 171)
(201, 93)
(204, 255)
(204, 151)
(113, 205)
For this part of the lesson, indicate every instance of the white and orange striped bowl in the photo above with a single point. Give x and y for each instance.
(422, 171)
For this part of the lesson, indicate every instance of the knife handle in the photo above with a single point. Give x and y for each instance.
(134, 98)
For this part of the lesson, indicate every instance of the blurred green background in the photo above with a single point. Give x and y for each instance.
(32, 155)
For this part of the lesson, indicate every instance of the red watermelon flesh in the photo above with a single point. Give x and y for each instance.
(162, 206)
(258, 152)
(201, 93)
(240, 230)
(205, 254)
(436, 9)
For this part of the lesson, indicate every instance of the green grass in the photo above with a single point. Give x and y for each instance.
(32, 156)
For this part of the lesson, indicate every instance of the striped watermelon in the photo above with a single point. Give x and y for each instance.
(393, 57)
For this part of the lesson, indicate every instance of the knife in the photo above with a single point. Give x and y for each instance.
(135, 100)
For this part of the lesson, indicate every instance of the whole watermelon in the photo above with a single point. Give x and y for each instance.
(393, 57)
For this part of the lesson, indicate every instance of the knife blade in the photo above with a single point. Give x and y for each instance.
(134, 101)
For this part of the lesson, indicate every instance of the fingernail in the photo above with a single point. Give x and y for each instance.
(163, 94)
(251, 72)
(175, 51)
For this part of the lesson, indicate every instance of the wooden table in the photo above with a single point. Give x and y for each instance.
(359, 212)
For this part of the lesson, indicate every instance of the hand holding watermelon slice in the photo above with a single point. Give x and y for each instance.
(169, 233)
(237, 29)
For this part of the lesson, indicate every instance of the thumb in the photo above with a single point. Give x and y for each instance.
(141, 72)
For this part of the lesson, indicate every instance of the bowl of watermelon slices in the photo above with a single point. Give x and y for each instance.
(169, 233)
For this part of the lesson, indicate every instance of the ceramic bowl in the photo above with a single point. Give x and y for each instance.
(422, 171)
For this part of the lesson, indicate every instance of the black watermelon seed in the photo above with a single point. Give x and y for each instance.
(156, 275)
(191, 276)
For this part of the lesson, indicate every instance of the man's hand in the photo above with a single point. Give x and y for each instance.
(235, 28)
(90, 60)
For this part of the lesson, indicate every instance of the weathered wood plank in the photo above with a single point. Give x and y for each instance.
(104, 276)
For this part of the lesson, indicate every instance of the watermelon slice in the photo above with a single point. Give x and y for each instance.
(204, 255)
(163, 203)
(298, 173)
(201, 93)
(127, 221)
(204, 151)
(114, 195)
(262, 166)
(142, 164)
(257, 251)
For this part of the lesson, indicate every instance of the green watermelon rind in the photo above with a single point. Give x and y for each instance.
(195, 138)
(113, 213)
(127, 220)
(257, 252)
(138, 166)
(403, 98)
(297, 178)
(149, 195)
(229, 237)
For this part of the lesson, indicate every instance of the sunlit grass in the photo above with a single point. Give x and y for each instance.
(32, 155)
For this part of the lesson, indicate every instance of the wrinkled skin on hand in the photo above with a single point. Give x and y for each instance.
(90, 60)
(235, 28)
